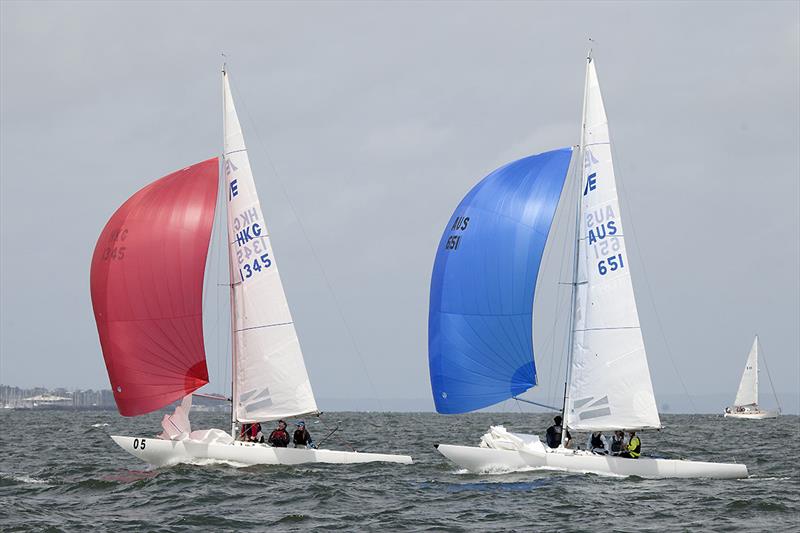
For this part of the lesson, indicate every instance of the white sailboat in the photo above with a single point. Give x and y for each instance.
(480, 329)
(147, 282)
(746, 403)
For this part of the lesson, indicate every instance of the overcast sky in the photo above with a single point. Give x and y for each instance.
(376, 119)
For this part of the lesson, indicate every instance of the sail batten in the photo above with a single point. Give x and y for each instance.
(480, 336)
(270, 377)
(608, 363)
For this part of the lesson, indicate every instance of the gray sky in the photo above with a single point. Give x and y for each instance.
(378, 118)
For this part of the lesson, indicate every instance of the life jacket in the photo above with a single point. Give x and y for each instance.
(597, 442)
(554, 436)
(302, 436)
(279, 438)
(635, 446)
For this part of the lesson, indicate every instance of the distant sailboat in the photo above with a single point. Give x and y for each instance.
(147, 292)
(480, 341)
(746, 403)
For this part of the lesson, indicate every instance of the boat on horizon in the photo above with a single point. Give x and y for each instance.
(481, 316)
(746, 403)
(147, 278)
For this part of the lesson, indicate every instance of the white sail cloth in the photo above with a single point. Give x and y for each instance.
(609, 380)
(270, 378)
(748, 386)
(499, 438)
(177, 425)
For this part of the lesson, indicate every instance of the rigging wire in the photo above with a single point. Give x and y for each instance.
(215, 255)
(775, 394)
(564, 222)
(300, 224)
(632, 226)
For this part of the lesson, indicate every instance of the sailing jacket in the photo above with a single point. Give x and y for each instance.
(278, 438)
(635, 447)
(302, 437)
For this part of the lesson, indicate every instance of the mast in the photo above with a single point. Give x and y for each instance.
(230, 264)
(573, 303)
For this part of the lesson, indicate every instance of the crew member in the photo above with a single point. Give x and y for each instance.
(554, 434)
(634, 449)
(251, 433)
(279, 438)
(597, 443)
(302, 438)
(617, 442)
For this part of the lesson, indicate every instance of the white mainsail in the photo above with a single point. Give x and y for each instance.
(270, 379)
(748, 387)
(609, 379)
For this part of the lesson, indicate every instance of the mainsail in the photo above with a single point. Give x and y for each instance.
(748, 387)
(270, 379)
(147, 289)
(609, 383)
(480, 336)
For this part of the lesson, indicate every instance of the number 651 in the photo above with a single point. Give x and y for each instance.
(610, 265)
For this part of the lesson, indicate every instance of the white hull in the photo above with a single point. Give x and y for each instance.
(481, 460)
(753, 415)
(160, 452)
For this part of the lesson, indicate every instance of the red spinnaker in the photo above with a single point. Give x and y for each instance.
(147, 289)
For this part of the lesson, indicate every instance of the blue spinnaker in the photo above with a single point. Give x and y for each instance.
(480, 323)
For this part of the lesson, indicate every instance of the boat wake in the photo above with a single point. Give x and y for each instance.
(498, 470)
(210, 462)
(22, 478)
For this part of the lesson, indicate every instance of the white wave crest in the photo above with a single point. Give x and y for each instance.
(22, 478)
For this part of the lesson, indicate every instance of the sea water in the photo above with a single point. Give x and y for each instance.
(60, 471)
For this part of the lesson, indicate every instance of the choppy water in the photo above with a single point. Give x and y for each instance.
(60, 471)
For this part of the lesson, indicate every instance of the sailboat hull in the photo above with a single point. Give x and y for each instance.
(160, 452)
(753, 415)
(484, 460)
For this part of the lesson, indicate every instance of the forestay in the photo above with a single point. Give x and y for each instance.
(748, 387)
(609, 380)
(270, 378)
(480, 336)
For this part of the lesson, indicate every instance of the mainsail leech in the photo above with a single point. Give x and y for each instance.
(147, 289)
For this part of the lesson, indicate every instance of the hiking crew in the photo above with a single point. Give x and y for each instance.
(554, 434)
(302, 438)
(597, 443)
(251, 433)
(634, 449)
(617, 442)
(279, 438)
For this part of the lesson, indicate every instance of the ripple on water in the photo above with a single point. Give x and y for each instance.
(86, 482)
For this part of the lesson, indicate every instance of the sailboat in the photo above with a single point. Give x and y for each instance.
(480, 330)
(147, 279)
(746, 403)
